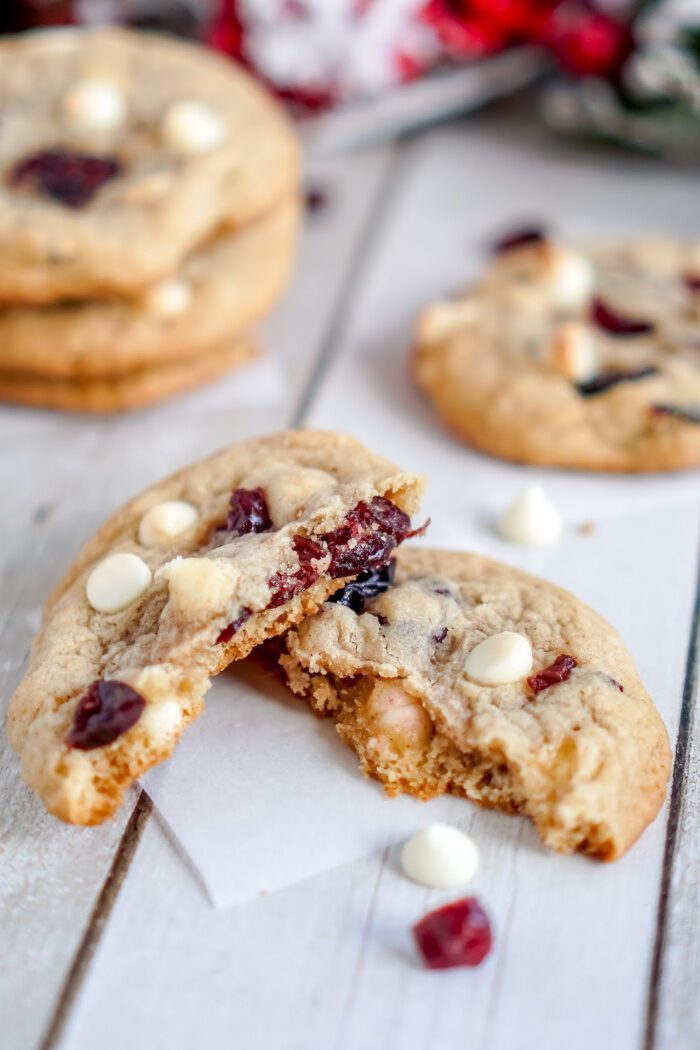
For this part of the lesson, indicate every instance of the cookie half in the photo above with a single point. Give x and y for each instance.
(583, 358)
(469, 676)
(221, 290)
(184, 579)
(135, 149)
(132, 390)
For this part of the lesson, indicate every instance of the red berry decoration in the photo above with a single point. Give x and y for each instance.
(617, 324)
(107, 710)
(71, 178)
(367, 537)
(589, 43)
(459, 934)
(228, 632)
(557, 672)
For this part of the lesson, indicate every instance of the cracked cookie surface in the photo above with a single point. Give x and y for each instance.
(456, 678)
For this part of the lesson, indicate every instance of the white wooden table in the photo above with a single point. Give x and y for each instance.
(107, 940)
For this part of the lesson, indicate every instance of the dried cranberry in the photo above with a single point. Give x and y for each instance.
(557, 672)
(367, 537)
(692, 281)
(688, 413)
(228, 632)
(606, 380)
(315, 199)
(65, 176)
(286, 585)
(367, 585)
(106, 711)
(440, 636)
(458, 934)
(614, 682)
(519, 239)
(247, 513)
(617, 324)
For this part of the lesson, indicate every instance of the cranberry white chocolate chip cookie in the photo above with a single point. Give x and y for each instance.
(187, 577)
(469, 676)
(585, 358)
(134, 150)
(221, 289)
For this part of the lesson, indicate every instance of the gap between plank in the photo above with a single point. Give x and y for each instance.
(98, 920)
(144, 807)
(678, 781)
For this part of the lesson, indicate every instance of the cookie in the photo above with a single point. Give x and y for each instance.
(187, 577)
(222, 289)
(469, 676)
(585, 359)
(132, 390)
(135, 149)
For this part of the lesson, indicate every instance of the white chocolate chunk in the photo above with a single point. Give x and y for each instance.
(532, 519)
(94, 104)
(571, 279)
(398, 715)
(199, 587)
(441, 857)
(117, 582)
(161, 721)
(165, 520)
(500, 659)
(572, 351)
(289, 492)
(191, 127)
(168, 298)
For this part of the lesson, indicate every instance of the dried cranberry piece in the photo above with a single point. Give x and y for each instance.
(228, 632)
(65, 176)
(692, 281)
(458, 934)
(614, 682)
(367, 585)
(315, 199)
(519, 239)
(247, 513)
(367, 537)
(609, 379)
(440, 636)
(617, 324)
(287, 585)
(106, 711)
(557, 672)
(688, 413)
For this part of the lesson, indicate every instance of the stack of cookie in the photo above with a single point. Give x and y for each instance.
(148, 216)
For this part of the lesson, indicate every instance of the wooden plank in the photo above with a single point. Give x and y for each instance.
(65, 475)
(329, 962)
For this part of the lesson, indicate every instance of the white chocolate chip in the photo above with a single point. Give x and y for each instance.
(441, 857)
(168, 298)
(572, 351)
(199, 587)
(532, 519)
(94, 105)
(117, 582)
(161, 721)
(398, 715)
(502, 658)
(165, 520)
(191, 127)
(571, 279)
